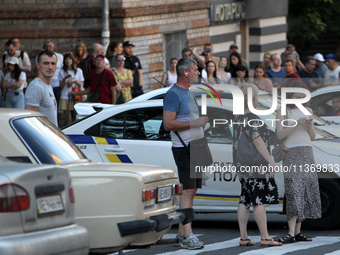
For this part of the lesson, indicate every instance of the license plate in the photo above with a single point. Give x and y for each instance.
(164, 194)
(49, 204)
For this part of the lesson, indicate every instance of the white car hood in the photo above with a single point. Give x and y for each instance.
(328, 146)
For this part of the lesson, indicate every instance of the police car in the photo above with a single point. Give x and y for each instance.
(320, 101)
(134, 133)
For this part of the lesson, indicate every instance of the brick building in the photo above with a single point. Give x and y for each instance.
(158, 28)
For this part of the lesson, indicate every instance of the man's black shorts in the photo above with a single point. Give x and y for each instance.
(182, 159)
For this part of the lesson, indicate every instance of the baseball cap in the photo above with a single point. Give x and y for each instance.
(128, 43)
(331, 56)
(13, 61)
(99, 55)
(319, 57)
(233, 46)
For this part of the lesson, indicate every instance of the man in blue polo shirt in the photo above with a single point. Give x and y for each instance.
(181, 116)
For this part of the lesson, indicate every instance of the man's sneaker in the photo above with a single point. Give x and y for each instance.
(191, 243)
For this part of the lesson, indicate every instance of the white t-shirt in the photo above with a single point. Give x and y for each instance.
(25, 61)
(332, 76)
(77, 76)
(300, 136)
(39, 94)
(55, 79)
(172, 79)
(22, 76)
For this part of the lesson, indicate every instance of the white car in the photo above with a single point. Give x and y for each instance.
(134, 133)
(327, 123)
(120, 205)
(37, 211)
(321, 103)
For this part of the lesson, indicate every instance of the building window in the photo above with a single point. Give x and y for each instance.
(174, 43)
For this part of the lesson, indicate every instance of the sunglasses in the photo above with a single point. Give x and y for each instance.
(120, 59)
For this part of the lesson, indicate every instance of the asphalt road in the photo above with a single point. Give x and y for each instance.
(221, 236)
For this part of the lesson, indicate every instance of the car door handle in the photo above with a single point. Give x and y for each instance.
(114, 149)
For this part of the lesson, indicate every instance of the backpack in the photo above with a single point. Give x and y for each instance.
(20, 56)
(85, 66)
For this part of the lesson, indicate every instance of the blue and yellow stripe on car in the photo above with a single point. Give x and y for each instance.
(113, 158)
(102, 140)
(82, 139)
(118, 158)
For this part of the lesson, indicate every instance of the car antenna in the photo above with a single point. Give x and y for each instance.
(160, 82)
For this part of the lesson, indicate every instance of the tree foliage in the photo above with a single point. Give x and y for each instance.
(308, 19)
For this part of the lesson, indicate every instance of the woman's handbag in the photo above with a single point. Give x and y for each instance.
(246, 152)
(76, 88)
(120, 98)
(200, 154)
(279, 152)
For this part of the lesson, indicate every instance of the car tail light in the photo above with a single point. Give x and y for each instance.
(13, 198)
(148, 194)
(176, 189)
(70, 191)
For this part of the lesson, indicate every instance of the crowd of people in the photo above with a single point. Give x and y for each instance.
(72, 78)
(116, 77)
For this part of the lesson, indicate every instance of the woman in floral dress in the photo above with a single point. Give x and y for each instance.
(123, 77)
(257, 188)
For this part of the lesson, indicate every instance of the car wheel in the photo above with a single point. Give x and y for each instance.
(330, 203)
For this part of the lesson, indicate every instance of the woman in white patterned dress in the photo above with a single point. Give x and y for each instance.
(301, 187)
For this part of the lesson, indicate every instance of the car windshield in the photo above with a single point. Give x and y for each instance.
(46, 142)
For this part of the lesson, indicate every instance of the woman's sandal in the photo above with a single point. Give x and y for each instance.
(300, 237)
(287, 239)
(271, 241)
(246, 242)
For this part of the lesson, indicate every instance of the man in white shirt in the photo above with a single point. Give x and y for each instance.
(39, 94)
(332, 75)
(49, 45)
(11, 51)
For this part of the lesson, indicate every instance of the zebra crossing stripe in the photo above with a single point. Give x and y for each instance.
(333, 253)
(276, 250)
(280, 250)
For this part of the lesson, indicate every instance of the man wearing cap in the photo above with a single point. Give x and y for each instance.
(320, 66)
(102, 80)
(234, 48)
(132, 63)
(332, 74)
(14, 83)
(39, 95)
(87, 64)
